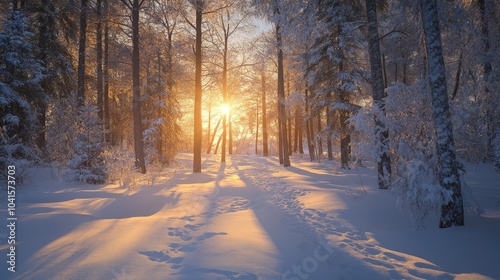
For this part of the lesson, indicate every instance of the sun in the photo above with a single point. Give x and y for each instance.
(225, 109)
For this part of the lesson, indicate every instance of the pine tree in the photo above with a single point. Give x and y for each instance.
(56, 58)
(21, 75)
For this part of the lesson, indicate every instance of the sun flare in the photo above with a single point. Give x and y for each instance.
(225, 109)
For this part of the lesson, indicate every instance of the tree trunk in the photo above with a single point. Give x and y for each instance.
(46, 23)
(161, 112)
(100, 93)
(296, 131)
(281, 94)
(213, 137)
(81, 55)
(198, 129)
(257, 130)
(345, 138)
(217, 146)
(309, 129)
(484, 9)
(329, 126)
(265, 149)
(209, 123)
(280, 136)
(377, 81)
(230, 128)
(320, 138)
(107, 124)
(301, 133)
(289, 120)
(452, 211)
(224, 94)
(136, 102)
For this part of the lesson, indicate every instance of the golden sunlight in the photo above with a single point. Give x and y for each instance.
(225, 109)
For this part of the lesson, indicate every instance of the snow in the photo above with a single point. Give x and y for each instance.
(246, 219)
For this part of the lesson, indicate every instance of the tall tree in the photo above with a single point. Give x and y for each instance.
(99, 62)
(82, 54)
(309, 126)
(485, 9)
(452, 210)
(265, 148)
(53, 23)
(135, 6)
(381, 133)
(198, 129)
(20, 87)
(106, 115)
(281, 88)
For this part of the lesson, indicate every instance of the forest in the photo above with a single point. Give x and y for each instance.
(105, 90)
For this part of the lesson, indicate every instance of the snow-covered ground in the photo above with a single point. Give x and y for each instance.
(246, 219)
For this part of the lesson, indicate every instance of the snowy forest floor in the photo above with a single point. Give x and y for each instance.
(246, 219)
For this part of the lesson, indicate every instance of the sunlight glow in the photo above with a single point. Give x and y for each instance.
(225, 109)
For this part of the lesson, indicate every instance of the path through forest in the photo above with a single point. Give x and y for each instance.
(246, 219)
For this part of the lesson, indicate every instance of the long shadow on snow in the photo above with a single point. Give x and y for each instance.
(241, 200)
(34, 233)
(350, 232)
(186, 239)
(145, 203)
(268, 224)
(51, 227)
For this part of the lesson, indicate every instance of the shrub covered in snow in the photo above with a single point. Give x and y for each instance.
(88, 164)
(120, 166)
(418, 190)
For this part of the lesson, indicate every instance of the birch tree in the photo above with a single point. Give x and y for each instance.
(452, 211)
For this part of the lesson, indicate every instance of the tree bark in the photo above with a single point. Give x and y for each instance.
(99, 71)
(296, 131)
(210, 144)
(309, 128)
(224, 91)
(377, 82)
(161, 112)
(257, 130)
(301, 133)
(281, 93)
(329, 126)
(289, 119)
(320, 138)
(491, 123)
(452, 211)
(136, 102)
(230, 128)
(265, 149)
(81, 54)
(198, 129)
(107, 123)
(46, 23)
(345, 138)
